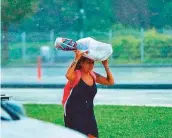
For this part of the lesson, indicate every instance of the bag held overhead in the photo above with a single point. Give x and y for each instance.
(97, 50)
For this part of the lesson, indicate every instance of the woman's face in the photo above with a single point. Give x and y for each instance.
(87, 65)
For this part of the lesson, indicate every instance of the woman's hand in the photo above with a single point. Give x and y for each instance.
(71, 75)
(105, 63)
(79, 54)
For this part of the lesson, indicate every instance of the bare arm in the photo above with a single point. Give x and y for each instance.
(108, 80)
(70, 74)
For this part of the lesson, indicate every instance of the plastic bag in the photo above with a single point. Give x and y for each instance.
(97, 50)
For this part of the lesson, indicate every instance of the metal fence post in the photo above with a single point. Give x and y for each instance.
(24, 46)
(110, 40)
(52, 43)
(142, 45)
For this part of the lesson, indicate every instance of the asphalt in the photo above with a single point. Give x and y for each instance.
(122, 75)
(104, 96)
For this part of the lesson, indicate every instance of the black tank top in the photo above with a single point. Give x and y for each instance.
(81, 99)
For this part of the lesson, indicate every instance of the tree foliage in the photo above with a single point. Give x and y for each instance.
(100, 15)
(143, 13)
(15, 10)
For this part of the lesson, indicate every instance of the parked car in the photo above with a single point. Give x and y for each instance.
(15, 124)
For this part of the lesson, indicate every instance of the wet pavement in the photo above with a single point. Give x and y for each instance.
(104, 96)
(122, 75)
(56, 75)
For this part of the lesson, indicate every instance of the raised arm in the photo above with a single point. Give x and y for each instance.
(108, 80)
(71, 74)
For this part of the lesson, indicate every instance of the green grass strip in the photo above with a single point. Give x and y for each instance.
(116, 121)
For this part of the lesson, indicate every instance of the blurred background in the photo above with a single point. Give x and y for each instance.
(140, 33)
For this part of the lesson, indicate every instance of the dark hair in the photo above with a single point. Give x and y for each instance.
(78, 65)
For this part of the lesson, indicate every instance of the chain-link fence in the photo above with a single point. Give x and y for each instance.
(130, 46)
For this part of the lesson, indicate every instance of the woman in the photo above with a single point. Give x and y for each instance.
(79, 106)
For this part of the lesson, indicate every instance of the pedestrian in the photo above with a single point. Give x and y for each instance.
(78, 106)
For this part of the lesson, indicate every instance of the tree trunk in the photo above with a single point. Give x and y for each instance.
(5, 44)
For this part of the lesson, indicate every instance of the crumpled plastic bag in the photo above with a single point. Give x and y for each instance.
(97, 50)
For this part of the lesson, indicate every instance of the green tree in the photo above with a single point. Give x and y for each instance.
(160, 13)
(13, 11)
(57, 15)
(98, 14)
(167, 13)
(143, 13)
(133, 13)
(67, 15)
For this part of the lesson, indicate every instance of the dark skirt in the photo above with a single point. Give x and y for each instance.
(84, 124)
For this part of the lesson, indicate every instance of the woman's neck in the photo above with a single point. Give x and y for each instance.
(85, 73)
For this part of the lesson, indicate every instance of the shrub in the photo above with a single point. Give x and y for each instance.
(157, 45)
(126, 47)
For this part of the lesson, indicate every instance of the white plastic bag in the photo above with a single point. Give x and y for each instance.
(97, 51)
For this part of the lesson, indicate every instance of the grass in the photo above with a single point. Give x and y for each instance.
(116, 121)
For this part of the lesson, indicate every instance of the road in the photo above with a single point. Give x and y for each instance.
(104, 96)
(122, 75)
